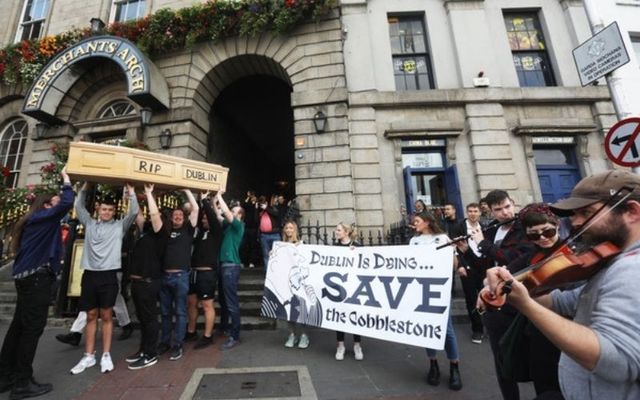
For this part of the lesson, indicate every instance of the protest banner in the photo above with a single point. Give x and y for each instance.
(396, 293)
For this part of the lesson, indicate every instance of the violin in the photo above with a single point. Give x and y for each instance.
(562, 268)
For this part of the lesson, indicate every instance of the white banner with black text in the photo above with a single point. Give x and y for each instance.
(396, 293)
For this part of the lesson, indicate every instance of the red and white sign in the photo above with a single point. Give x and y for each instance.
(622, 143)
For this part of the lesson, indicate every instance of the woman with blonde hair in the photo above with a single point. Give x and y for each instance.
(346, 235)
(290, 235)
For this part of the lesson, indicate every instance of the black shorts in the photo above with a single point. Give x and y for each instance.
(203, 284)
(99, 290)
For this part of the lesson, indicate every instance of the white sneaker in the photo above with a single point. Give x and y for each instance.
(87, 361)
(291, 340)
(304, 341)
(106, 364)
(357, 352)
(340, 353)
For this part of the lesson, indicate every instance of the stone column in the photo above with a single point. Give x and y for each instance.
(491, 154)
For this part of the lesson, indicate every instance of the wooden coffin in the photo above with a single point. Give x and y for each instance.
(116, 165)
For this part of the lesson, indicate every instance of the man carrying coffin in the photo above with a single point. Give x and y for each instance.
(101, 259)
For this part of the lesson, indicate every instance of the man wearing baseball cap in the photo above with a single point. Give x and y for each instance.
(597, 325)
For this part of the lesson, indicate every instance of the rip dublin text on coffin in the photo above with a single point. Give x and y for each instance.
(114, 164)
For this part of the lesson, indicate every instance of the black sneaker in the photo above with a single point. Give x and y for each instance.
(143, 362)
(163, 348)
(72, 338)
(476, 337)
(190, 336)
(203, 342)
(134, 357)
(31, 389)
(176, 353)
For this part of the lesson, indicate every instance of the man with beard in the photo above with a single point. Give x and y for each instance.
(599, 339)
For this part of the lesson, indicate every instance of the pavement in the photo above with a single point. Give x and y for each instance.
(388, 371)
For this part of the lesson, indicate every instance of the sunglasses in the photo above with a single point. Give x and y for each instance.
(548, 233)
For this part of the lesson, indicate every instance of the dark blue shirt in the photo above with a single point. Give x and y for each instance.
(41, 241)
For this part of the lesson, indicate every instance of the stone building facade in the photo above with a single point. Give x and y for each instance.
(423, 100)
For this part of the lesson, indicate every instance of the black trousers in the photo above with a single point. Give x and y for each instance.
(29, 320)
(145, 299)
(471, 285)
(497, 322)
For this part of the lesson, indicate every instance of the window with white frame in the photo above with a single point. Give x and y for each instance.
(117, 108)
(12, 141)
(33, 17)
(128, 10)
(410, 52)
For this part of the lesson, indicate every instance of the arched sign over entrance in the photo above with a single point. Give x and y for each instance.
(146, 85)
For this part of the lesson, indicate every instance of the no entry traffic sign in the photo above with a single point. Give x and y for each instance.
(622, 143)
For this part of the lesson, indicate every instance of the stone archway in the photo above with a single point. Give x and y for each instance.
(311, 60)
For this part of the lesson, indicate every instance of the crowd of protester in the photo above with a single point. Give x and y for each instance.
(186, 258)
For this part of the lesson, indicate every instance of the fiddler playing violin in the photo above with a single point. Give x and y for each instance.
(597, 324)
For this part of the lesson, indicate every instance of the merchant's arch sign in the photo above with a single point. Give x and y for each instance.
(145, 84)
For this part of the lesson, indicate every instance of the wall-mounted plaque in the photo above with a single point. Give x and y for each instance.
(116, 165)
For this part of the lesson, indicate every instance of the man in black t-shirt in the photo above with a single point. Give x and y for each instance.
(145, 274)
(175, 282)
(204, 272)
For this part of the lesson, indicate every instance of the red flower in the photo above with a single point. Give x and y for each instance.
(290, 3)
(6, 172)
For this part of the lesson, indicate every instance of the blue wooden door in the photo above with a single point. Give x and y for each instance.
(409, 196)
(557, 170)
(452, 189)
(556, 184)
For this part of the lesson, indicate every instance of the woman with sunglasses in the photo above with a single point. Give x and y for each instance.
(542, 229)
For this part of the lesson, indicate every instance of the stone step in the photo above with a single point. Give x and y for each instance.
(8, 297)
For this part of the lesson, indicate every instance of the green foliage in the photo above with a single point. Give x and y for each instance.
(168, 30)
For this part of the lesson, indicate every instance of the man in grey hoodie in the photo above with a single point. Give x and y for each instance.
(600, 352)
(100, 261)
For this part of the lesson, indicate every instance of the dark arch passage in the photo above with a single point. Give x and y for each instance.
(252, 135)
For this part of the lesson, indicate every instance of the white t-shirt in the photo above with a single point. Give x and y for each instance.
(430, 239)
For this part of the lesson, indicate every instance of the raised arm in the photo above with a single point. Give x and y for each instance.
(81, 210)
(132, 210)
(226, 213)
(154, 212)
(195, 208)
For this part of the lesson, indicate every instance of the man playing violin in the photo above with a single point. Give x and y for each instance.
(600, 344)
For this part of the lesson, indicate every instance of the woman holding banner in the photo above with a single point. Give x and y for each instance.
(290, 235)
(346, 236)
(428, 232)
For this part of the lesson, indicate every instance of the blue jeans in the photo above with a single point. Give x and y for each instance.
(266, 241)
(230, 274)
(450, 343)
(173, 300)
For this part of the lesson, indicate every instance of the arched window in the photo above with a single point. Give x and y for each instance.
(12, 141)
(117, 108)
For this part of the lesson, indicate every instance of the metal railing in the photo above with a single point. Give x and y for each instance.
(398, 233)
